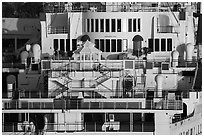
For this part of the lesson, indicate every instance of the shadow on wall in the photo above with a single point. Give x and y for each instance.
(181, 49)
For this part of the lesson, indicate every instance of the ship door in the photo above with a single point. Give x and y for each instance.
(137, 45)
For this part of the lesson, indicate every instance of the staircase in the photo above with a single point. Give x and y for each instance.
(62, 83)
(105, 74)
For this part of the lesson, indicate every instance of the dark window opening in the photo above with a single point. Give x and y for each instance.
(62, 44)
(169, 44)
(139, 25)
(97, 43)
(87, 25)
(150, 45)
(119, 45)
(118, 25)
(96, 25)
(92, 25)
(102, 25)
(113, 25)
(129, 25)
(67, 45)
(107, 25)
(55, 44)
(8, 45)
(107, 45)
(113, 45)
(137, 122)
(134, 25)
(148, 125)
(163, 44)
(102, 45)
(74, 44)
(156, 45)
(21, 42)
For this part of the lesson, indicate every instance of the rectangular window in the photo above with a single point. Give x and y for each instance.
(139, 23)
(129, 25)
(156, 46)
(118, 25)
(92, 25)
(150, 45)
(8, 45)
(55, 44)
(67, 45)
(96, 25)
(113, 45)
(84, 25)
(102, 25)
(163, 44)
(62, 44)
(134, 25)
(102, 45)
(21, 42)
(74, 44)
(113, 25)
(87, 25)
(169, 44)
(97, 43)
(107, 45)
(119, 45)
(107, 25)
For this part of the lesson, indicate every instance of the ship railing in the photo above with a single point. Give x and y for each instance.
(119, 7)
(71, 65)
(142, 127)
(57, 30)
(81, 65)
(79, 104)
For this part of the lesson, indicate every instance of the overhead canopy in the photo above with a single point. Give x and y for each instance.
(137, 38)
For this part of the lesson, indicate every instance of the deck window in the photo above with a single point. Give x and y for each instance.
(113, 45)
(21, 42)
(96, 25)
(55, 44)
(163, 44)
(129, 25)
(74, 44)
(119, 45)
(150, 44)
(169, 44)
(113, 25)
(87, 26)
(118, 25)
(62, 44)
(97, 43)
(107, 25)
(139, 24)
(156, 47)
(107, 45)
(134, 25)
(102, 45)
(102, 25)
(67, 44)
(92, 25)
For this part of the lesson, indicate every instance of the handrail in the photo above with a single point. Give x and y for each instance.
(118, 126)
(103, 104)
